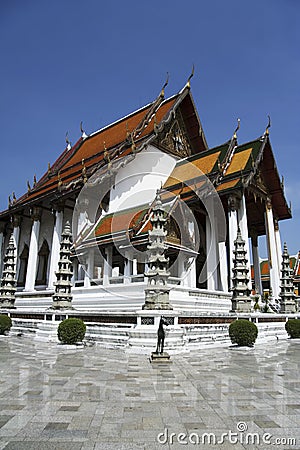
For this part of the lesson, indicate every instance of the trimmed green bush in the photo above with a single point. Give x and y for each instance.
(243, 332)
(292, 327)
(5, 323)
(71, 331)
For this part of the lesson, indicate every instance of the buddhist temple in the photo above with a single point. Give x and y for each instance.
(107, 185)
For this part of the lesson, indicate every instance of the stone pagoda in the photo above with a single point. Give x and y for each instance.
(287, 296)
(62, 298)
(241, 301)
(8, 281)
(157, 290)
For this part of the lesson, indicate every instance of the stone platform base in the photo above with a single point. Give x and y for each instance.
(160, 357)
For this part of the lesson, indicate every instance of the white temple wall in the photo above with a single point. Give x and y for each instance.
(137, 182)
(46, 228)
(46, 234)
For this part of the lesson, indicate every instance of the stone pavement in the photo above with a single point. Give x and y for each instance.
(56, 397)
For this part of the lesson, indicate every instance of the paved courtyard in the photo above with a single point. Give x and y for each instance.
(52, 397)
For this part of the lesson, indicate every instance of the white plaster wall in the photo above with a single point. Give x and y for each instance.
(138, 181)
(25, 231)
(46, 229)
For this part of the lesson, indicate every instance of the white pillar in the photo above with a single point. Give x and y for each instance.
(107, 266)
(134, 267)
(55, 248)
(243, 224)
(81, 209)
(33, 251)
(2, 226)
(127, 268)
(16, 231)
(272, 251)
(180, 268)
(279, 249)
(223, 267)
(190, 279)
(232, 231)
(256, 265)
(89, 273)
(212, 257)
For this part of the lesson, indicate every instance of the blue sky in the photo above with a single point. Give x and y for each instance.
(66, 60)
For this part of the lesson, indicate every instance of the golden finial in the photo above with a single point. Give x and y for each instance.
(155, 126)
(83, 171)
(162, 92)
(133, 146)
(237, 129)
(14, 197)
(268, 126)
(34, 180)
(188, 84)
(106, 155)
(49, 169)
(59, 180)
(9, 201)
(28, 186)
(127, 130)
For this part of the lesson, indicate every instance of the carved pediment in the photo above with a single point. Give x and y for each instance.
(174, 138)
(259, 183)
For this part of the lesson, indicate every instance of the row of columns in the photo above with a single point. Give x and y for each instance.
(219, 266)
(34, 243)
(217, 262)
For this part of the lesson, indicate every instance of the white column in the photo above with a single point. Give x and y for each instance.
(16, 232)
(55, 248)
(223, 267)
(134, 267)
(33, 251)
(278, 246)
(180, 268)
(81, 209)
(272, 251)
(212, 257)
(190, 279)
(232, 231)
(107, 268)
(2, 226)
(256, 265)
(89, 273)
(75, 271)
(127, 268)
(243, 224)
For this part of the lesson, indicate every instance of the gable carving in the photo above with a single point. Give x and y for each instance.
(174, 138)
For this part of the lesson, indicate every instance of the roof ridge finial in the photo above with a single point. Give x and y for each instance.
(69, 146)
(188, 84)
(83, 133)
(237, 128)
(162, 92)
(268, 126)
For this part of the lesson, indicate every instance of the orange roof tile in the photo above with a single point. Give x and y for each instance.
(91, 149)
(192, 169)
(227, 185)
(239, 161)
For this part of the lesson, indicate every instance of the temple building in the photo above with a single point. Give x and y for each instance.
(108, 185)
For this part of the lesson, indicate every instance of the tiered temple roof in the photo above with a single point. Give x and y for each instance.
(229, 167)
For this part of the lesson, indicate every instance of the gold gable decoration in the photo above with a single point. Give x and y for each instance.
(174, 138)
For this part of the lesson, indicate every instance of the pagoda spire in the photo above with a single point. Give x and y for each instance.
(287, 296)
(8, 281)
(241, 301)
(62, 297)
(157, 290)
